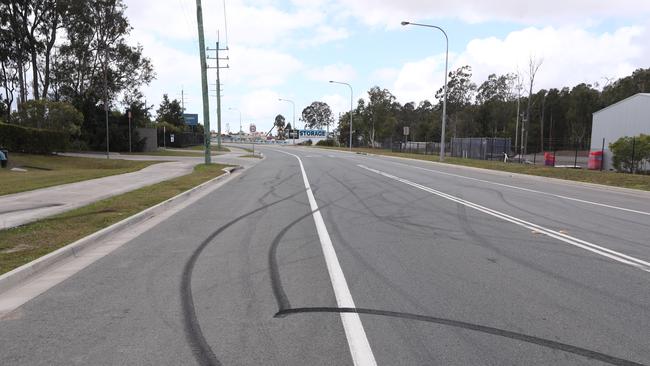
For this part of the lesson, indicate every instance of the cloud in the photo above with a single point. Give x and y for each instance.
(338, 103)
(260, 104)
(419, 80)
(326, 34)
(570, 56)
(258, 67)
(337, 72)
(390, 13)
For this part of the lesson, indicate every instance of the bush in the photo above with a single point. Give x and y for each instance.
(631, 154)
(325, 143)
(49, 115)
(32, 140)
(305, 143)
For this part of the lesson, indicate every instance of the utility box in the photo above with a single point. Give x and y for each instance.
(4, 157)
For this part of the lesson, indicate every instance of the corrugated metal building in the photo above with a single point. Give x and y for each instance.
(629, 117)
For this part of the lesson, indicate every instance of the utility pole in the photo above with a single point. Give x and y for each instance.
(218, 67)
(130, 145)
(106, 98)
(204, 83)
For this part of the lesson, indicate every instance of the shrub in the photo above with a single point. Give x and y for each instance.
(630, 154)
(49, 115)
(325, 143)
(32, 140)
(305, 143)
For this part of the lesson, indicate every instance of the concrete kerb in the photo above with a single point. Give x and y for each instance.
(624, 190)
(28, 270)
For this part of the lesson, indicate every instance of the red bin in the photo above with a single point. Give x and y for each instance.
(549, 159)
(595, 160)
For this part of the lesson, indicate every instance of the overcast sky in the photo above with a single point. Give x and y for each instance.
(290, 49)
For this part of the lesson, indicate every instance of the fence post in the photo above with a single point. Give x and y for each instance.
(602, 156)
(575, 161)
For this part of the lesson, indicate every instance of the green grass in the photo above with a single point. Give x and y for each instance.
(641, 182)
(212, 147)
(25, 243)
(51, 170)
(168, 153)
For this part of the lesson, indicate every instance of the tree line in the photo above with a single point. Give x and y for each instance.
(554, 118)
(63, 57)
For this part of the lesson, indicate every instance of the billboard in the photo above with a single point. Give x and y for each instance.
(191, 119)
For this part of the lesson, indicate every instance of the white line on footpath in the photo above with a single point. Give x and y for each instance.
(357, 340)
(524, 189)
(619, 257)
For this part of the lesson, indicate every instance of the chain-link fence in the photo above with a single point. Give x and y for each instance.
(414, 147)
(483, 148)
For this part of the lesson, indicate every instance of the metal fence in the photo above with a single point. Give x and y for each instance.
(414, 147)
(182, 139)
(484, 148)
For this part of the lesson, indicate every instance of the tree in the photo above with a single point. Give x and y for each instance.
(279, 124)
(460, 93)
(317, 115)
(638, 82)
(170, 112)
(533, 67)
(582, 101)
(97, 53)
(631, 153)
(43, 114)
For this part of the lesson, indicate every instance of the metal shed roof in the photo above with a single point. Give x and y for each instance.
(647, 95)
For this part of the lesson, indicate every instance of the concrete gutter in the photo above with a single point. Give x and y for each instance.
(33, 268)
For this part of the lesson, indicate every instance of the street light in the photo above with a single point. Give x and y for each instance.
(351, 96)
(240, 130)
(294, 114)
(444, 103)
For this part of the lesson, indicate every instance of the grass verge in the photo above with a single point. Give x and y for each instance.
(26, 243)
(614, 179)
(212, 147)
(161, 152)
(52, 170)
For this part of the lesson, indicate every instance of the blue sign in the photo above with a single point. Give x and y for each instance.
(191, 119)
(312, 133)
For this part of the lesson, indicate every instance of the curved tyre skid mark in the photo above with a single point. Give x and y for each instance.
(470, 326)
(200, 348)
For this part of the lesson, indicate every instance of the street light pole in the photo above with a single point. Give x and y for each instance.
(294, 114)
(444, 103)
(351, 96)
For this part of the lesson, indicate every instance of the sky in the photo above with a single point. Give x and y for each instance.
(291, 49)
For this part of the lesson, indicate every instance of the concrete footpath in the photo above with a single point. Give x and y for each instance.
(25, 207)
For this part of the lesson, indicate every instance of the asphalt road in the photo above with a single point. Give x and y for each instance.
(401, 263)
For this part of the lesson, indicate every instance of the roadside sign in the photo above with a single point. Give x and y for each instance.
(406, 130)
(191, 119)
(253, 128)
(171, 137)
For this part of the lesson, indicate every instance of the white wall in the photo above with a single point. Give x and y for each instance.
(629, 117)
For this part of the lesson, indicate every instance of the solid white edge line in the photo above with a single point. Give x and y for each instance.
(356, 336)
(605, 252)
(523, 189)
